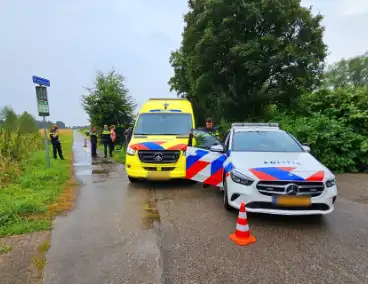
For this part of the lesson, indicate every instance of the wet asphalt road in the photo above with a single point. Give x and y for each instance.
(112, 237)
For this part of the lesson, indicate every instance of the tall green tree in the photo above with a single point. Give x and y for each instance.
(238, 56)
(348, 72)
(10, 119)
(60, 124)
(27, 123)
(109, 101)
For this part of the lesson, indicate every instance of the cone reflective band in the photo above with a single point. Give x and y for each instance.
(242, 235)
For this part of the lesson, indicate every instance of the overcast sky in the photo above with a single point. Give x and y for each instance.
(68, 41)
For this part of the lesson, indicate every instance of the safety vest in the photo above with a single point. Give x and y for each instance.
(106, 136)
(54, 136)
(213, 131)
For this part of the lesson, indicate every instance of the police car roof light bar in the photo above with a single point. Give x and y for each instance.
(255, 124)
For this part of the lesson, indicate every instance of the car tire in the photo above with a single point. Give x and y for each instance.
(132, 179)
(226, 198)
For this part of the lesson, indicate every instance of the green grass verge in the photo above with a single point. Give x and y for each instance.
(30, 202)
(39, 260)
(5, 249)
(116, 156)
(83, 131)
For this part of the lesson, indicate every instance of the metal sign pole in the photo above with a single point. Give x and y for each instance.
(43, 109)
(46, 143)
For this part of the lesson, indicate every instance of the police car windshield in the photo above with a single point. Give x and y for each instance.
(264, 141)
(163, 124)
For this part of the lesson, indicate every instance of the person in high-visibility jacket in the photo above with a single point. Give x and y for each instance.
(210, 128)
(56, 143)
(93, 139)
(106, 140)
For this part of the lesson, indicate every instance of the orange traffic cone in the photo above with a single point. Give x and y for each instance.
(242, 235)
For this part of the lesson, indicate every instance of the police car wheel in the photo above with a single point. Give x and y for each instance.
(132, 179)
(226, 199)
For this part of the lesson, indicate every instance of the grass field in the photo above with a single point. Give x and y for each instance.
(116, 156)
(29, 203)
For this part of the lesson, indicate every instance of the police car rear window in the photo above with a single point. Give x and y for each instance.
(264, 141)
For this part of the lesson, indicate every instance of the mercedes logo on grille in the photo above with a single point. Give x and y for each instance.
(158, 156)
(292, 189)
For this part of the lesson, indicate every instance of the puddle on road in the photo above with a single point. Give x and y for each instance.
(84, 170)
(102, 162)
(151, 213)
(81, 164)
(100, 172)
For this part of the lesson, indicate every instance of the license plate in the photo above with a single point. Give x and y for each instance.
(303, 201)
(158, 176)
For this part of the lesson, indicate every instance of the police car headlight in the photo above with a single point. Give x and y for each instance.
(130, 151)
(331, 182)
(240, 178)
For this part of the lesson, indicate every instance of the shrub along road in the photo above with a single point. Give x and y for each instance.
(27, 208)
(116, 235)
(27, 204)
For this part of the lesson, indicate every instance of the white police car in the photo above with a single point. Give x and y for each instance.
(263, 166)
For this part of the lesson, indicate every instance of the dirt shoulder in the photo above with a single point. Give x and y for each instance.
(23, 263)
(353, 187)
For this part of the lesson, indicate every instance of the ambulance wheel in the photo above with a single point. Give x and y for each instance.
(226, 198)
(132, 179)
(190, 182)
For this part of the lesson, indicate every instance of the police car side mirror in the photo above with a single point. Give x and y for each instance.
(217, 148)
(306, 147)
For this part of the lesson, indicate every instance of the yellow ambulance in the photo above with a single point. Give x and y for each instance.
(160, 136)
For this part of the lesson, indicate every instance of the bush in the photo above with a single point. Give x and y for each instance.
(19, 137)
(335, 124)
(334, 143)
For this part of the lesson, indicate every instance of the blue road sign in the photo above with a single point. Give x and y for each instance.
(41, 81)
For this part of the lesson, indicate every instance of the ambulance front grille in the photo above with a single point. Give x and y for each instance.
(309, 188)
(165, 157)
(156, 169)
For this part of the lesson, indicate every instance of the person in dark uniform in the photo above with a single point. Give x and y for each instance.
(56, 143)
(93, 138)
(106, 139)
